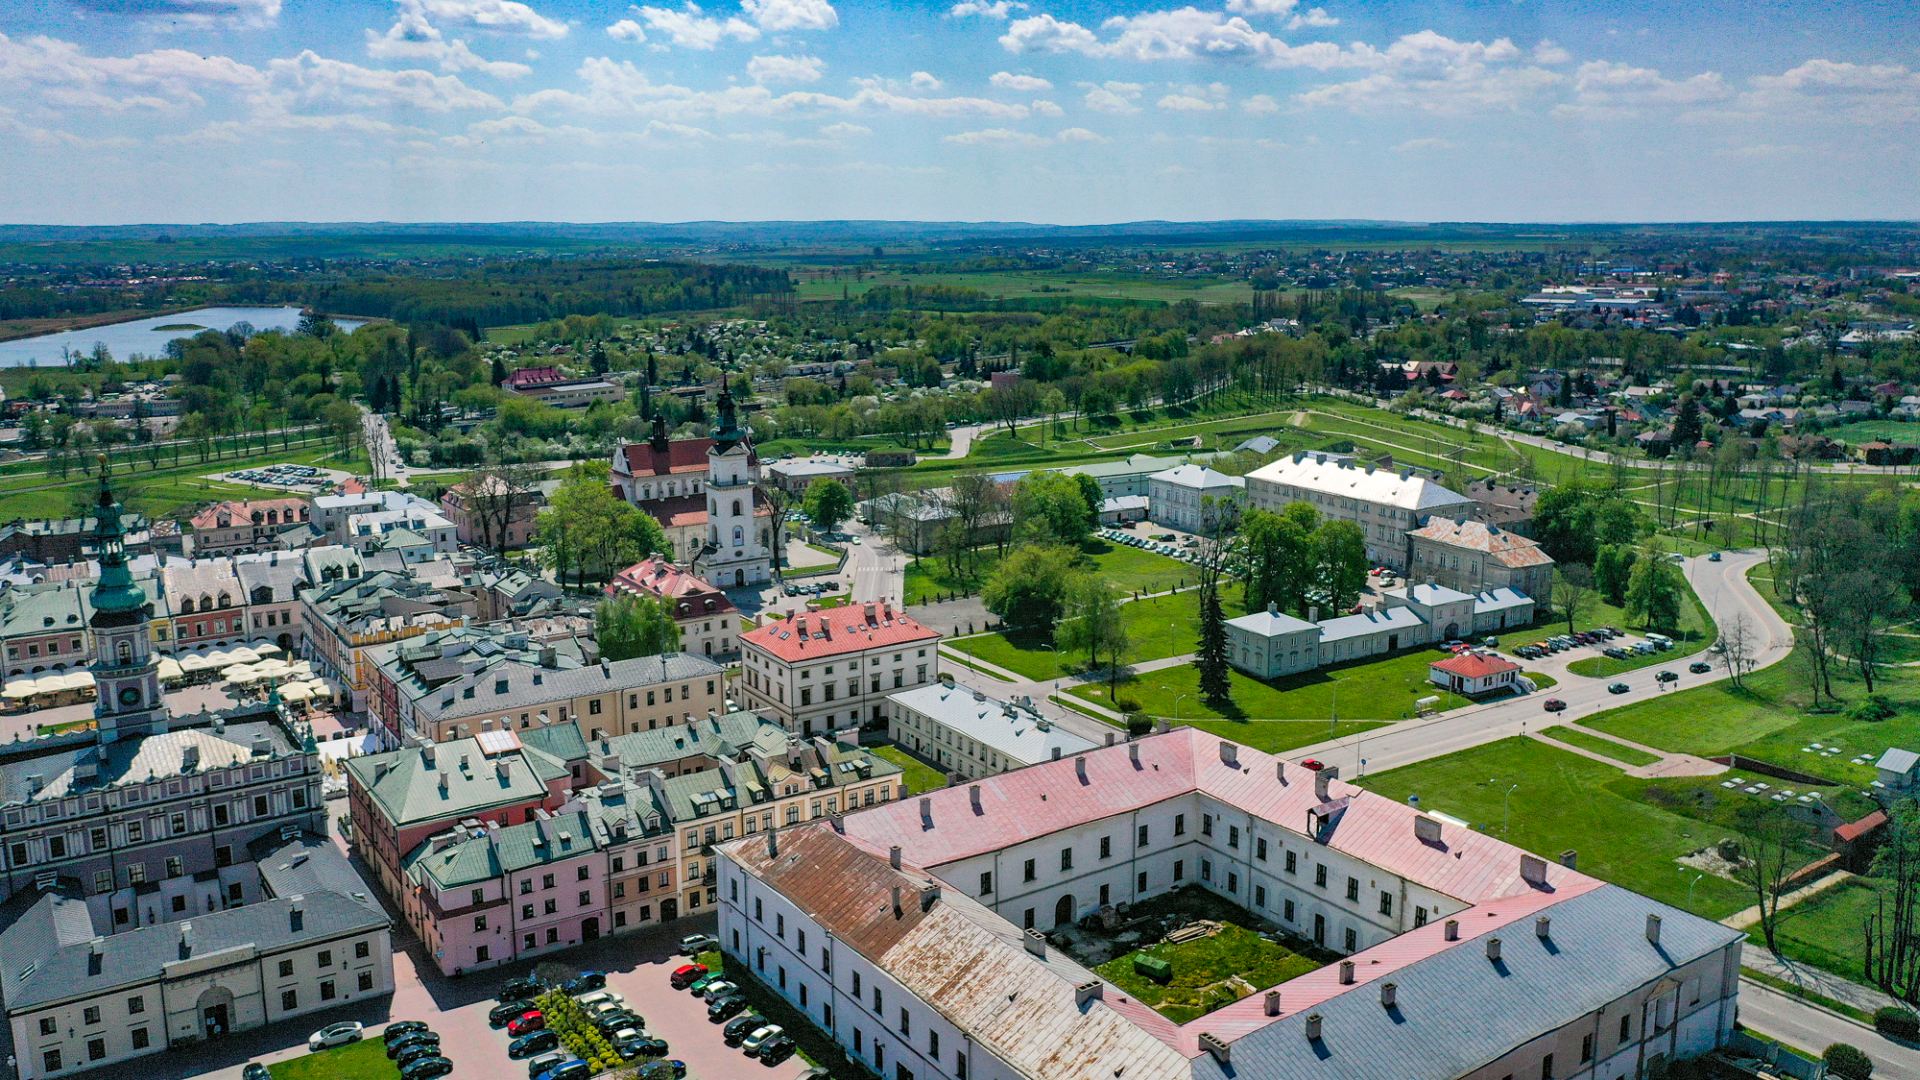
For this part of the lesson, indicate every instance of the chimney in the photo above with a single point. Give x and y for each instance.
(1346, 973)
(1493, 949)
(1653, 929)
(928, 894)
(1426, 829)
(1215, 1045)
(893, 856)
(897, 909)
(1543, 928)
(1313, 614)
(1389, 995)
(926, 812)
(1162, 726)
(1273, 1003)
(773, 844)
(1273, 608)
(443, 785)
(426, 755)
(1111, 736)
(1570, 859)
(1452, 930)
(1133, 753)
(1313, 1027)
(502, 768)
(1036, 943)
(1229, 754)
(1080, 767)
(1087, 992)
(1322, 784)
(1533, 871)
(1055, 755)
(973, 796)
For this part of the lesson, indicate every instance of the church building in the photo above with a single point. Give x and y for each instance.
(704, 492)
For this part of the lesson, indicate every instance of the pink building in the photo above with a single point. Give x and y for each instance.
(481, 507)
(484, 896)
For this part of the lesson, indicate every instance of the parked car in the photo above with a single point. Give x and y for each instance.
(1618, 688)
(592, 999)
(697, 986)
(546, 1063)
(527, 1022)
(505, 1011)
(640, 1045)
(1554, 704)
(416, 1052)
(617, 1019)
(427, 1068)
(818, 1072)
(753, 1043)
(1699, 667)
(740, 1027)
(533, 1045)
(1666, 677)
(721, 1008)
(716, 988)
(777, 1050)
(255, 1071)
(418, 1038)
(1313, 764)
(401, 1029)
(694, 944)
(347, 1031)
(684, 975)
(586, 982)
(572, 1069)
(1713, 557)
(524, 988)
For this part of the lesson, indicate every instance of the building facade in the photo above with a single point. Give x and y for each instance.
(967, 734)
(1473, 557)
(1385, 504)
(709, 623)
(831, 670)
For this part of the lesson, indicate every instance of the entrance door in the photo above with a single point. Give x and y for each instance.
(669, 909)
(216, 1012)
(1319, 929)
(1393, 642)
(1063, 911)
(590, 929)
(739, 577)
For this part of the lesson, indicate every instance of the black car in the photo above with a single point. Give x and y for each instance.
(586, 982)
(255, 1071)
(418, 1038)
(646, 1046)
(538, 1042)
(418, 1052)
(619, 1018)
(506, 1011)
(1699, 667)
(776, 1050)
(721, 1008)
(521, 989)
(397, 1031)
(426, 1069)
(740, 1027)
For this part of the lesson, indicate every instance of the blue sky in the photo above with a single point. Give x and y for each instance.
(1075, 111)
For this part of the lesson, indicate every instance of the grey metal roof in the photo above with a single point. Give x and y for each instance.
(1368, 622)
(1013, 731)
(305, 865)
(136, 760)
(406, 786)
(1271, 622)
(1457, 1011)
(1898, 760)
(531, 684)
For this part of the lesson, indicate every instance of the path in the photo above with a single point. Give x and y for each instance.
(1749, 917)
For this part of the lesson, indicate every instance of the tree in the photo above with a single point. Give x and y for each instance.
(828, 503)
(1768, 857)
(1737, 646)
(626, 626)
(1892, 931)
(1613, 571)
(1280, 556)
(779, 502)
(1572, 521)
(1095, 498)
(1050, 508)
(1091, 621)
(1029, 588)
(1574, 591)
(1341, 555)
(496, 497)
(1847, 1061)
(592, 532)
(1654, 590)
(1209, 561)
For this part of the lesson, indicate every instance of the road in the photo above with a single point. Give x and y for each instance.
(380, 441)
(875, 568)
(1796, 1023)
(1723, 589)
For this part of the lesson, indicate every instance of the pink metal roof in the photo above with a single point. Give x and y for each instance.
(836, 631)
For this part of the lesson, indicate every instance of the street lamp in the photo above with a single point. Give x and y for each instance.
(1504, 804)
(1690, 885)
(1056, 669)
(1176, 701)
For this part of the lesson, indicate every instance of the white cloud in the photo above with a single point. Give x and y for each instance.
(313, 78)
(627, 30)
(785, 69)
(1113, 97)
(1260, 104)
(1602, 86)
(1011, 137)
(1416, 146)
(1043, 107)
(1044, 33)
(243, 14)
(1822, 89)
(611, 87)
(1182, 34)
(689, 28)
(1187, 103)
(1025, 84)
(412, 37)
(779, 15)
(1312, 18)
(987, 9)
(1261, 7)
(845, 130)
(60, 73)
(496, 16)
(1080, 135)
(1550, 52)
(1430, 72)
(923, 80)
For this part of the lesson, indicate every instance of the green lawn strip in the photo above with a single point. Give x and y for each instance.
(811, 1044)
(1280, 736)
(1129, 569)
(1823, 930)
(1541, 680)
(1158, 627)
(161, 492)
(1772, 981)
(1565, 801)
(1604, 747)
(931, 578)
(363, 1060)
(918, 775)
(1382, 688)
(1202, 969)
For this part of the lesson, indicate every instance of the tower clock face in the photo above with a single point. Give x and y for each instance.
(129, 695)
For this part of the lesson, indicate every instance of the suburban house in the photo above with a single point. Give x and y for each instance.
(1474, 674)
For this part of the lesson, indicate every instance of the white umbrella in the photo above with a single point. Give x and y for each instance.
(295, 692)
(239, 674)
(195, 662)
(265, 648)
(21, 689)
(240, 654)
(76, 680)
(170, 669)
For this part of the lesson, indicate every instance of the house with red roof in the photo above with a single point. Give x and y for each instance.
(708, 620)
(1474, 674)
(825, 671)
(668, 478)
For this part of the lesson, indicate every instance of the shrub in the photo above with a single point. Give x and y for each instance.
(1872, 709)
(1848, 1062)
(1896, 1022)
(1138, 723)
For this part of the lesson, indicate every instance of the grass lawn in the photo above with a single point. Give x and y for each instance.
(1209, 972)
(1128, 569)
(1585, 740)
(364, 1060)
(1380, 689)
(931, 578)
(1566, 801)
(918, 775)
(1280, 736)
(1160, 627)
(1824, 930)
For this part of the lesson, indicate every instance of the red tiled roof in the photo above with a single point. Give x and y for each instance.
(1854, 830)
(533, 376)
(686, 510)
(241, 512)
(1473, 665)
(836, 631)
(682, 456)
(663, 578)
(1507, 548)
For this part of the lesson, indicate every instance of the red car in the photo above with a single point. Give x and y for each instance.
(1313, 763)
(1553, 704)
(684, 975)
(531, 1020)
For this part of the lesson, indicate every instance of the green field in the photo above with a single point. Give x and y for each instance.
(1587, 740)
(161, 492)
(829, 285)
(918, 775)
(1824, 929)
(1865, 431)
(1158, 627)
(1204, 970)
(1128, 569)
(363, 1060)
(1381, 689)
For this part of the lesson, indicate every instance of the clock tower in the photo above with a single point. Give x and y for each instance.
(736, 554)
(126, 674)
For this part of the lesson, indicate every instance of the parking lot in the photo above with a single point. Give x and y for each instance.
(298, 479)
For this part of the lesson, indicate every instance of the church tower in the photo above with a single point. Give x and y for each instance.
(126, 674)
(737, 553)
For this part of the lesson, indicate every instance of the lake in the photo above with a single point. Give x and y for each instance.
(145, 337)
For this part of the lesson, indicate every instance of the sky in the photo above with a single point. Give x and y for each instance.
(1064, 111)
